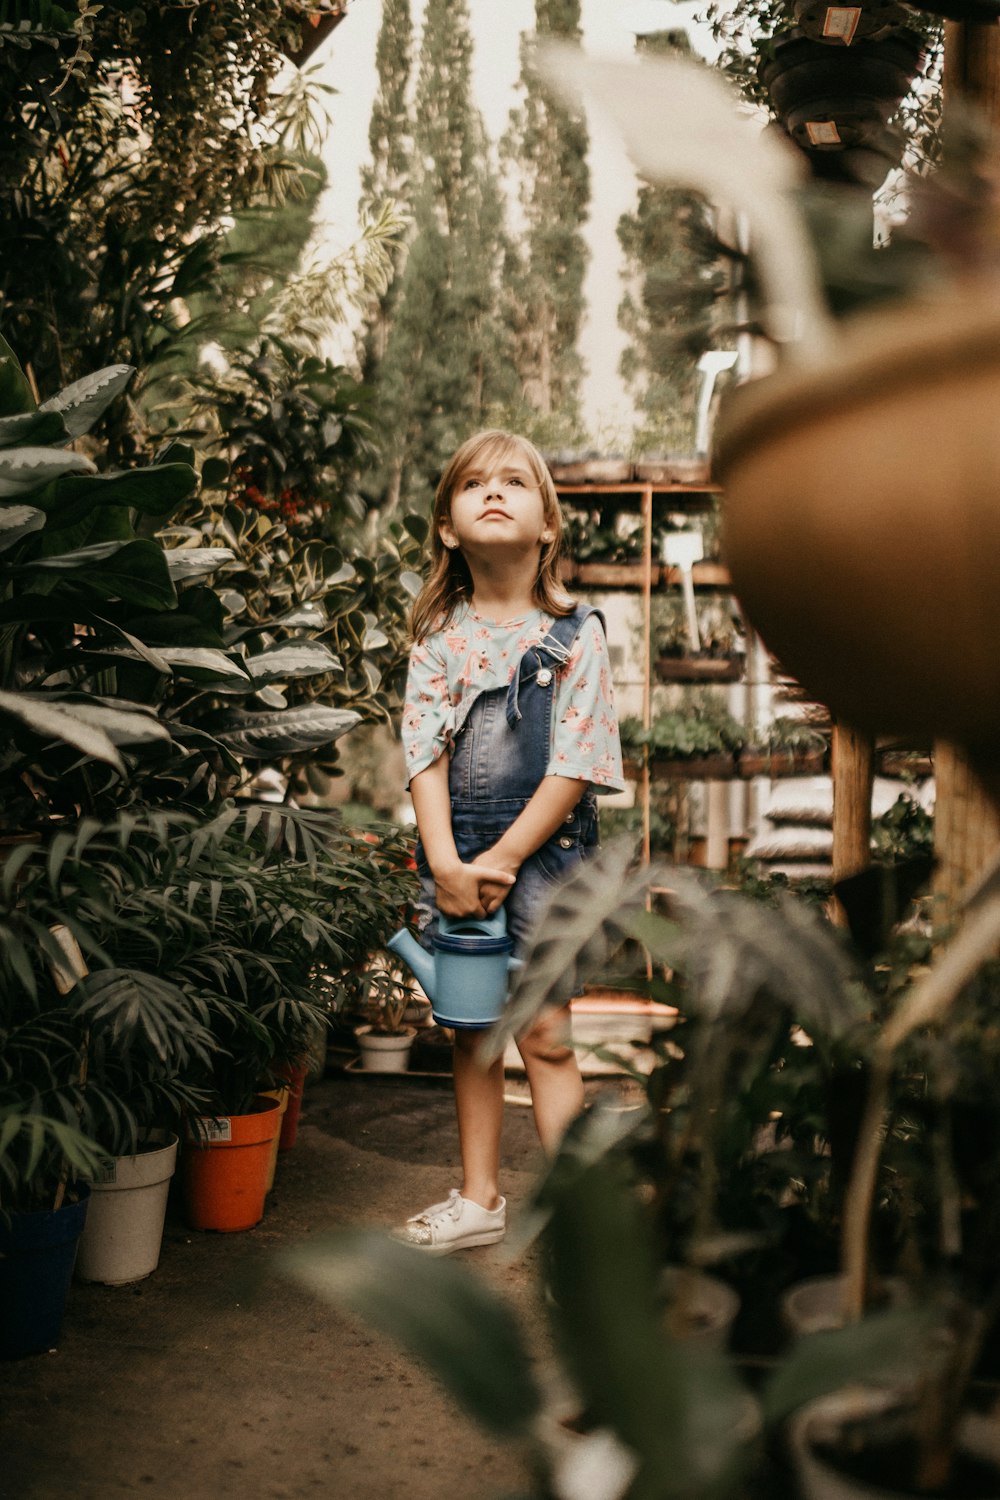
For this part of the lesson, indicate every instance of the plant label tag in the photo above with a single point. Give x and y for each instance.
(107, 1174)
(842, 21)
(823, 132)
(216, 1130)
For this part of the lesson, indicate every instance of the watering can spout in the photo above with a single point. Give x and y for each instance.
(406, 947)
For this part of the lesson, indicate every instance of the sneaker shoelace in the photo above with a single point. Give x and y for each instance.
(439, 1213)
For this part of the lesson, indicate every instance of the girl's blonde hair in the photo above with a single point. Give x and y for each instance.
(449, 581)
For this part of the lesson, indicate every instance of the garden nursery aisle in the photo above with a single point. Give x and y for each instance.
(215, 1377)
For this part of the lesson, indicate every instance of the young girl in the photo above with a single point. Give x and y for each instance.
(508, 729)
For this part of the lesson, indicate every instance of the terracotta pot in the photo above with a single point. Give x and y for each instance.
(860, 523)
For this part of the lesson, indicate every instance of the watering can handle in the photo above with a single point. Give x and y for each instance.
(494, 926)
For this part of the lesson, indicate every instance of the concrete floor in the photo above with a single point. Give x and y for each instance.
(216, 1377)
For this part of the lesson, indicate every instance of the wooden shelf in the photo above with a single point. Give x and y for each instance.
(637, 487)
(632, 575)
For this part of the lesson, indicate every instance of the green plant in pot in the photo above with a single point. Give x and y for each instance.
(704, 727)
(385, 1037)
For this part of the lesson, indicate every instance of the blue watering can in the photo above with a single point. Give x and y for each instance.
(465, 978)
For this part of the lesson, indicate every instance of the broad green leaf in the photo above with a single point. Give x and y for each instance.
(677, 1404)
(15, 392)
(52, 721)
(292, 659)
(311, 615)
(412, 582)
(25, 469)
(37, 428)
(438, 1311)
(418, 526)
(344, 574)
(214, 473)
(374, 639)
(135, 571)
(81, 403)
(186, 563)
(199, 664)
(881, 1346)
(155, 491)
(124, 726)
(17, 521)
(584, 923)
(291, 731)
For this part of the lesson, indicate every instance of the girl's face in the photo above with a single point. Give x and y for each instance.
(497, 503)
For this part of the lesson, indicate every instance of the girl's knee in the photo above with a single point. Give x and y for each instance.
(548, 1040)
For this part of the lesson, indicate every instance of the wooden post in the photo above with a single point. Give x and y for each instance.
(967, 821)
(853, 766)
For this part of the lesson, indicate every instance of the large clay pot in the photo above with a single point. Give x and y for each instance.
(818, 1429)
(861, 524)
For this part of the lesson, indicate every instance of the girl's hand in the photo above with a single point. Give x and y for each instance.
(492, 892)
(458, 889)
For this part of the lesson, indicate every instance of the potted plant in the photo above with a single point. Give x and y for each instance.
(696, 742)
(718, 660)
(385, 1038)
(793, 747)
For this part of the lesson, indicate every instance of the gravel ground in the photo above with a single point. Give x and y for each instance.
(216, 1377)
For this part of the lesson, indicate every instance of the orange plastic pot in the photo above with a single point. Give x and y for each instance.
(226, 1160)
(272, 1162)
(290, 1122)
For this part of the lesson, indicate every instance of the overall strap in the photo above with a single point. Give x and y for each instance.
(553, 650)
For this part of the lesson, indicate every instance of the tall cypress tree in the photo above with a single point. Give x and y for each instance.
(546, 145)
(673, 281)
(387, 177)
(446, 366)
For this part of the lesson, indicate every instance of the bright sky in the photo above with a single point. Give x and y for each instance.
(348, 65)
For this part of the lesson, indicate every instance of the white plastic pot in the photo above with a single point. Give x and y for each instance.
(124, 1230)
(383, 1053)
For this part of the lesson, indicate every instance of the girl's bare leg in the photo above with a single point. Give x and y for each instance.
(479, 1104)
(553, 1077)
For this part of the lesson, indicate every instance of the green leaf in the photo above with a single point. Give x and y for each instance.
(197, 664)
(214, 473)
(292, 659)
(25, 469)
(129, 724)
(81, 403)
(881, 1346)
(411, 582)
(37, 428)
(186, 563)
(51, 721)
(154, 491)
(418, 526)
(290, 731)
(133, 571)
(17, 521)
(15, 392)
(677, 1404)
(438, 1312)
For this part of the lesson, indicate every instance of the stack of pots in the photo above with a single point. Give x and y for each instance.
(836, 100)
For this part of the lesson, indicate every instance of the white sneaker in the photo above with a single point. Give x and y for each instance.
(455, 1224)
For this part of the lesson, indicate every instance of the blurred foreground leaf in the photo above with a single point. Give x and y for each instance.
(437, 1311)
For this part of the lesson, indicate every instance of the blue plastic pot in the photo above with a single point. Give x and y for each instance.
(37, 1251)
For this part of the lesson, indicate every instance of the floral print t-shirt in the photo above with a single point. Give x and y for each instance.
(469, 655)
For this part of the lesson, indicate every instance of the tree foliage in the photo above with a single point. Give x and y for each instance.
(546, 149)
(673, 279)
(447, 362)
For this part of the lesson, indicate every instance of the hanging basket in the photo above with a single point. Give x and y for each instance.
(861, 86)
(861, 525)
(843, 25)
(316, 24)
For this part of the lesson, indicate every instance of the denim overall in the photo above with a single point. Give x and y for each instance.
(500, 755)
